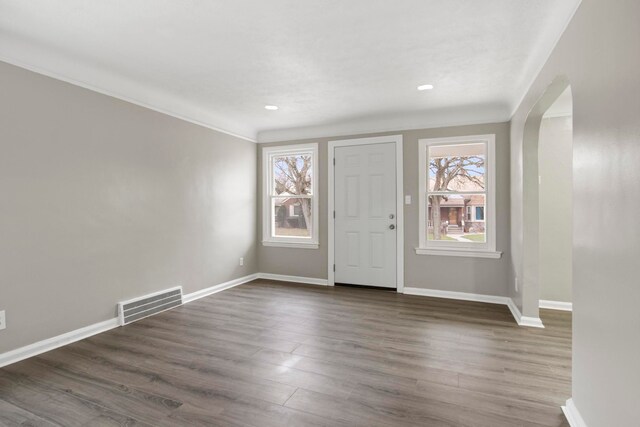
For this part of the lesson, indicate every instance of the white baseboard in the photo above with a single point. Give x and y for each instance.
(534, 322)
(217, 288)
(296, 279)
(572, 414)
(556, 305)
(48, 344)
(456, 295)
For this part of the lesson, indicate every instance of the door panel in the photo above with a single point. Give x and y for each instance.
(376, 241)
(351, 196)
(365, 210)
(353, 249)
(376, 196)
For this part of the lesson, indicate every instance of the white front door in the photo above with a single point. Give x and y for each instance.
(365, 215)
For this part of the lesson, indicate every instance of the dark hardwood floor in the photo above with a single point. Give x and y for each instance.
(274, 354)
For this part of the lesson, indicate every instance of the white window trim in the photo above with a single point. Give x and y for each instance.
(477, 250)
(267, 221)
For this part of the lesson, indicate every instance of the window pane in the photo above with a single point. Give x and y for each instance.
(456, 218)
(457, 167)
(292, 217)
(292, 174)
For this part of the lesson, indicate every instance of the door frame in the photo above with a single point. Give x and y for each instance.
(397, 140)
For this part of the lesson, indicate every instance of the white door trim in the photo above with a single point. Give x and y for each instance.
(397, 139)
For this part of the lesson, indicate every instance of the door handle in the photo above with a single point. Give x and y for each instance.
(392, 227)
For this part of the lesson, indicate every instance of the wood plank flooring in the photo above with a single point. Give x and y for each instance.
(275, 354)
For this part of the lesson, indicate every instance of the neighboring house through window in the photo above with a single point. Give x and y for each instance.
(457, 187)
(290, 208)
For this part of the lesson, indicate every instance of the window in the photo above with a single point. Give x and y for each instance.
(290, 207)
(457, 189)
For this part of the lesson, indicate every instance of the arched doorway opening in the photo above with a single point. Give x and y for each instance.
(548, 139)
(555, 169)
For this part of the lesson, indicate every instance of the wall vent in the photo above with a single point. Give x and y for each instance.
(147, 305)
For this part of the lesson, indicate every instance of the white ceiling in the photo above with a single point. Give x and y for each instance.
(334, 67)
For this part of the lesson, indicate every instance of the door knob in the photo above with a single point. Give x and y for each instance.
(392, 227)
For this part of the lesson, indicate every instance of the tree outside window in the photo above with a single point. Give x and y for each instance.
(293, 185)
(454, 172)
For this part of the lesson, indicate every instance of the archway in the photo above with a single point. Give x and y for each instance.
(555, 168)
(531, 195)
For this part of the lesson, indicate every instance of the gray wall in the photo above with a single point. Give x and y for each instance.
(101, 200)
(481, 276)
(555, 169)
(598, 53)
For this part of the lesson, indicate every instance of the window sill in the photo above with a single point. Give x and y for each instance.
(459, 253)
(298, 245)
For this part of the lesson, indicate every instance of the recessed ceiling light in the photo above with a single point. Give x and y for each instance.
(425, 87)
(271, 107)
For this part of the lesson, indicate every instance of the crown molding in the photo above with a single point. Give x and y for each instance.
(121, 97)
(416, 120)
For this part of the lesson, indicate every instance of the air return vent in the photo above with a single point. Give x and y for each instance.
(145, 306)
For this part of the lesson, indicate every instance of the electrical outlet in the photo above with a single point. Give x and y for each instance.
(3, 320)
(241, 261)
(407, 199)
(516, 284)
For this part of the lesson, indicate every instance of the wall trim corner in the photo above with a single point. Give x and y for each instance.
(573, 415)
(556, 305)
(533, 322)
